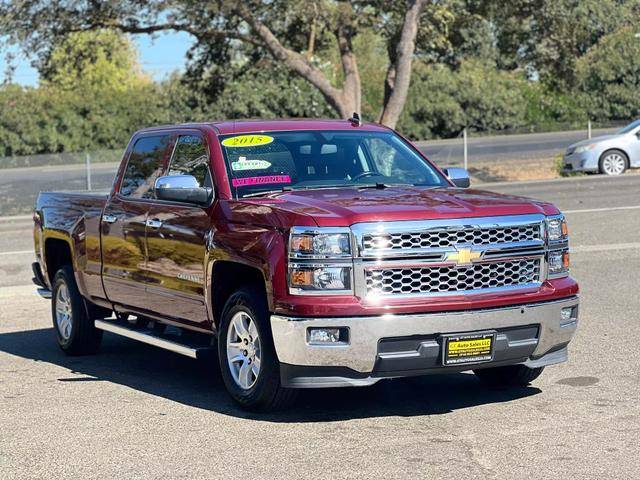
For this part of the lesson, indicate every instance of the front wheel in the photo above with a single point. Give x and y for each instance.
(248, 361)
(75, 331)
(613, 162)
(510, 376)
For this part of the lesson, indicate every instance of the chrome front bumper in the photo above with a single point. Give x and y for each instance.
(365, 333)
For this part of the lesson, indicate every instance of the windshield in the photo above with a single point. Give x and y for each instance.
(315, 159)
(630, 127)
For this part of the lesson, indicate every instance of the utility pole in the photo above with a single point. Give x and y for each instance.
(464, 144)
(88, 164)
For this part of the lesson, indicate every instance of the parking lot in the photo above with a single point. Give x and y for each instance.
(134, 411)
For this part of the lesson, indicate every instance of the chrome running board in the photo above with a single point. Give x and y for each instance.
(151, 338)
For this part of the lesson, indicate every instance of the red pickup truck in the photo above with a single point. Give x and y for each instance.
(307, 254)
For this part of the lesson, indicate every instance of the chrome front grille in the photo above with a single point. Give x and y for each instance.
(439, 238)
(449, 256)
(451, 279)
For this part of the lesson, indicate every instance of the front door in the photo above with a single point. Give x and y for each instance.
(176, 241)
(123, 228)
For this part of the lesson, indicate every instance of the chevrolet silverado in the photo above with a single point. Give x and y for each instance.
(307, 254)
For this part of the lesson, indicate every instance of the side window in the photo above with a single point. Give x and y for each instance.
(144, 166)
(190, 158)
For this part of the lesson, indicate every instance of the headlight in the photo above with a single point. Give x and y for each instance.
(320, 261)
(557, 229)
(319, 243)
(585, 148)
(557, 242)
(319, 279)
(558, 262)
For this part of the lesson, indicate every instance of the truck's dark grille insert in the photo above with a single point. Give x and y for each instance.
(449, 238)
(445, 279)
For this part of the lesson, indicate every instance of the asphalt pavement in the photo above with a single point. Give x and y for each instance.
(134, 411)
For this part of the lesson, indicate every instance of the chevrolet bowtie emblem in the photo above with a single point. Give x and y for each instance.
(463, 256)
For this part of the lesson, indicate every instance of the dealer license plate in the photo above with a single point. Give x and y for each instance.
(468, 348)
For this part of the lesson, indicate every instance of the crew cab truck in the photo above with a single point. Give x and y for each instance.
(307, 254)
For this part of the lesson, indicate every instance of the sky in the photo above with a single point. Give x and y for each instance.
(159, 56)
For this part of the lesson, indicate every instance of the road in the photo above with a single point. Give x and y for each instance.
(19, 187)
(134, 411)
(498, 148)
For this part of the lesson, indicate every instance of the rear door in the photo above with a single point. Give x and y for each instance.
(176, 240)
(123, 227)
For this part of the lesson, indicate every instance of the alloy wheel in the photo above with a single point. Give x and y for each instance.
(243, 350)
(613, 164)
(64, 314)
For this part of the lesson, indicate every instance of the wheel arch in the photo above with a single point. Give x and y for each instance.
(57, 253)
(227, 276)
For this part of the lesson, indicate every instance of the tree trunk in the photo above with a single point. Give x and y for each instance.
(399, 72)
(342, 101)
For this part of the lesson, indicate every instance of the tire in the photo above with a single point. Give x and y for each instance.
(75, 331)
(262, 392)
(613, 163)
(510, 376)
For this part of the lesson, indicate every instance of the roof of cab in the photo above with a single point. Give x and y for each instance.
(245, 126)
(250, 126)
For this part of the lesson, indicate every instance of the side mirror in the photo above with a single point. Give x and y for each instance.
(183, 188)
(459, 177)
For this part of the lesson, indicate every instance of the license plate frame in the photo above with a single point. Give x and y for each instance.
(469, 348)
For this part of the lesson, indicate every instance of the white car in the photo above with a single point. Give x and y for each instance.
(608, 154)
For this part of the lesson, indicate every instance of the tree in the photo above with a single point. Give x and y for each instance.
(98, 60)
(608, 76)
(287, 29)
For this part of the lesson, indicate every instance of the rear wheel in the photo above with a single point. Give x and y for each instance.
(75, 331)
(510, 376)
(613, 162)
(248, 361)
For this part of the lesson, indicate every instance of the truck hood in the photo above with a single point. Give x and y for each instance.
(346, 206)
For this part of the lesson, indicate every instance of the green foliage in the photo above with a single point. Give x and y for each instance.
(609, 76)
(92, 61)
(266, 90)
(443, 101)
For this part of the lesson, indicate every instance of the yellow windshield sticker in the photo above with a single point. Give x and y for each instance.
(247, 141)
(244, 164)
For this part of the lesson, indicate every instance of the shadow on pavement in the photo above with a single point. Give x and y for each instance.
(198, 384)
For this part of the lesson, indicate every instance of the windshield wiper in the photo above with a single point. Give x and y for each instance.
(267, 192)
(382, 186)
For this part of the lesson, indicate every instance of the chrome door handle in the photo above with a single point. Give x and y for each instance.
(109, 218)
(154, 223)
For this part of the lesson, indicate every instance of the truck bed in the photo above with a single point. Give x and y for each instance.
(72, 220)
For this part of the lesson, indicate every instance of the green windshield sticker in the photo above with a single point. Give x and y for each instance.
(244, 164)
(247, 141)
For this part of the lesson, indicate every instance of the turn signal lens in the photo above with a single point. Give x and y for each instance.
(302, 243)
(301, 278)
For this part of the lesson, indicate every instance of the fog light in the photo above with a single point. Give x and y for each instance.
(327, 336)
(566, 313)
